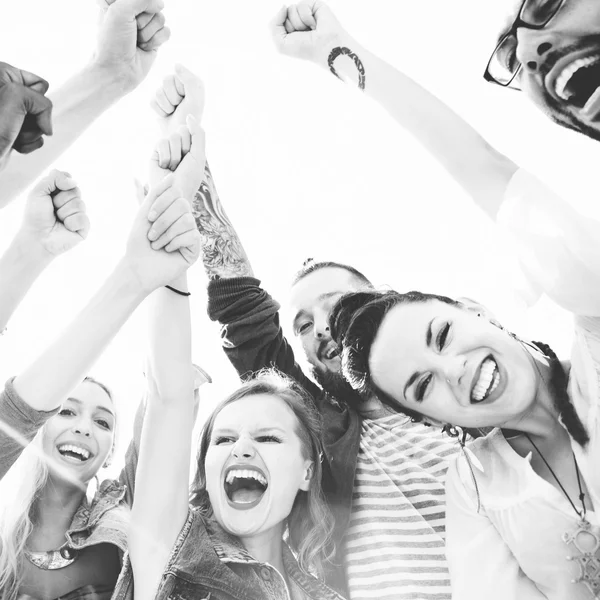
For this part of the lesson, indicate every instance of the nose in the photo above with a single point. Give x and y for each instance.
(453, 370)
(533, 46)
(243, 449)
(82, 428)
(321, 327)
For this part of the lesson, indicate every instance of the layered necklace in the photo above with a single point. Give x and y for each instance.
(583, 539)
(50, 560)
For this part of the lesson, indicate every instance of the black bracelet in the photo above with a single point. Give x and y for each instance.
(347, 52)
(178, 291)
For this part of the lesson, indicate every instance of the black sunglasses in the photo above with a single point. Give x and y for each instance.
(504, 66)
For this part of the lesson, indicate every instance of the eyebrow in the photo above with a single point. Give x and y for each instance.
(98, 407)
(510, 20)
(416, 374)
(257, 431)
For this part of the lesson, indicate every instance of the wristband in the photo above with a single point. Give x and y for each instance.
(178, 291)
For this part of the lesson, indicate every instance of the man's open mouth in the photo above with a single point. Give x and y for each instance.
(329, 351)
(245, 487)
(576, 80)
(74, 453)
(486, 380)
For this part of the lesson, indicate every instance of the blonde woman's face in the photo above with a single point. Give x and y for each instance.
(255, 465)
(80, 437)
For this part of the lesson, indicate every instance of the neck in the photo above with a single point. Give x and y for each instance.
(267, 547)
(541, 420)
(56, 505)
(373, 408)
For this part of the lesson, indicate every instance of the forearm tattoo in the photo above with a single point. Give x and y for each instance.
(347, 52)
(222, 252)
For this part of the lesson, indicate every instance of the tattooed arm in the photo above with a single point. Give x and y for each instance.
(222, 252)
(317, 35)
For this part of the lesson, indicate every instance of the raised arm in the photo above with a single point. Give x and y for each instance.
(309, 30)
(130, 33)
(54, 222)
(42, 386)
(160, 505)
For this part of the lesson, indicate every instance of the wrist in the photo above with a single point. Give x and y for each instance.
(27, 251)
(344, 60)
(128, 274)
(110, 80)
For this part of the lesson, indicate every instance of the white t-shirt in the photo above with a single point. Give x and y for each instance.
(513, 547)
(394, 546)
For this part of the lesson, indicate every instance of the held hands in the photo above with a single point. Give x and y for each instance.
(55, 218)
(26, 113)
(307, 30)
(183, 154)
(164, 241)
(131, 31)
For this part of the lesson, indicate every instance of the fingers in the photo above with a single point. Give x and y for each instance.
(183, 224)
(175, 149)
(293, 18)
(167, 218)
(198, 138)
(161, 104)
(157, 40)
(152, 27)
(40, 107)
(186, 241)
(160, 197)
(70, 209)
(305, 15)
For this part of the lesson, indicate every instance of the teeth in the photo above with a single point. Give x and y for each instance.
(245, 474)
(565, 75)
(75, 449)
(487, 374)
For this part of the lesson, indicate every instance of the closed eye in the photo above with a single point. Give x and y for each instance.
(442, 336)
(104, 424)
(223, 440)
(66, 412)
(268, 439)
(304, 328)
(422, 387)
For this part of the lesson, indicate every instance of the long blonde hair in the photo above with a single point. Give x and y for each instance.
(19, 490)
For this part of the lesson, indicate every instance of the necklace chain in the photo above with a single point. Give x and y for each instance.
(580, 513)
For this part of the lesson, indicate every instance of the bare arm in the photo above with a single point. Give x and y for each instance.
(125, 53)
(160, 505)
(309, 30)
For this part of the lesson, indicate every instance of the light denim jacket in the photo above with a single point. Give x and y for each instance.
(207, 562)
(103, 520)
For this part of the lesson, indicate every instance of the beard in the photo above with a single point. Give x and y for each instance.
(337, 387)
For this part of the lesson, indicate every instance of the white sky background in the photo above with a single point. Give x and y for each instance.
(304, 166)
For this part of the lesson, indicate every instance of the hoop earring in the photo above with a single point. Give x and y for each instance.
(454, 431)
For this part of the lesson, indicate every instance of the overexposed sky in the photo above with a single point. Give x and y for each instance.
(304, 166)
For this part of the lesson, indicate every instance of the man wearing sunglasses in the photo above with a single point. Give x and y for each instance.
(551, 51)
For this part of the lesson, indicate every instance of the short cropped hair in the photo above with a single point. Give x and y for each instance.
(310, 265)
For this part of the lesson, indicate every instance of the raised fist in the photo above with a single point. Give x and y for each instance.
(131, 31)
(180, 95)
(55, 218)
(160, 251)
(307, 30)
(183, 153)
(25, 112)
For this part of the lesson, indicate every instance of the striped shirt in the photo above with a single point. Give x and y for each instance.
(394, 546)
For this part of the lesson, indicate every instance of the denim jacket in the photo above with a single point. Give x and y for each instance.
(252, 340)
(207, 562)
(103, 520)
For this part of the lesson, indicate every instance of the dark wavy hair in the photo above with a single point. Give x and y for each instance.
(310, 524)
(355, 321)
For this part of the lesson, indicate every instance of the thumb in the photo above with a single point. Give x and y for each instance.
(53, 182)
(40, 108)
(154, 192)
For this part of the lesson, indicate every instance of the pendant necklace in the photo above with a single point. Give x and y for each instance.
(584, 539)
(50, 560)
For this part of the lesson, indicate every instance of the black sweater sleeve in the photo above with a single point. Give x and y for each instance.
(250, 330)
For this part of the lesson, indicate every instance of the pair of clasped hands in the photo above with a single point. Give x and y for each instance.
(164, 240)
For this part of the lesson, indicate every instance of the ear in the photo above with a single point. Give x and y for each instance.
(477, 308)
(309, 471)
